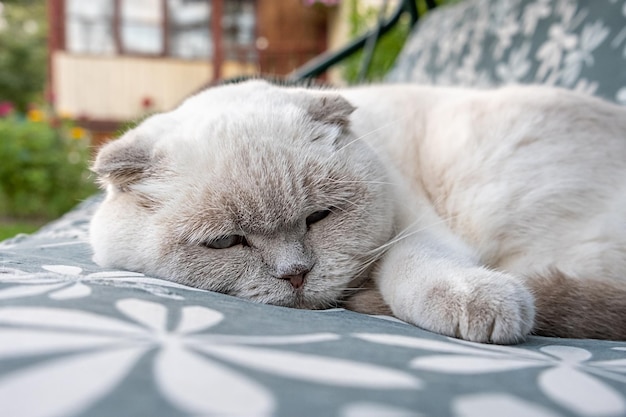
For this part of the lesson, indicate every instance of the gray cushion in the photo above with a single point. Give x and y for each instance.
(77, 339)
(574, 44)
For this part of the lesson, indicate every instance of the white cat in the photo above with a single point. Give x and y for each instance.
(484, 215)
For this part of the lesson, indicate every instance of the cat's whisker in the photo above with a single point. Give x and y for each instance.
(354, 288)
(342, 210)
(350, 202)
(374, 255)
(364, 135)
(379, 128)
(338, 202)
(406, 234)
(360, 182)
(367, 265)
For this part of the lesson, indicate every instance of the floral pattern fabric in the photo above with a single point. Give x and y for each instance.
(576, 44)
(80, 340)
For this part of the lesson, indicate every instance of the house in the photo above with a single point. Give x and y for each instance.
(112, 61)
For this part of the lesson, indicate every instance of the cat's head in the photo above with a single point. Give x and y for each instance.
(252, 190)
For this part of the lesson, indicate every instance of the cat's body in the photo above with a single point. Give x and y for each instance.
(470, 209)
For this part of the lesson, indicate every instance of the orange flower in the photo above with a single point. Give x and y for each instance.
(35, 115)
(77, 133)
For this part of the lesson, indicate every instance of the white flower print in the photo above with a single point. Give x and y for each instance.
(621, 36)
(505, 25)
(480, 405)
(585, 86)
(504, 33)
(592, 35)
(620, 96)
(619, 39)
(489, 42)
(63, 282)
(567, 10)
(571, 379)
(551, 53)
(517, 66)
(97, 352)
(474, 405)
(477, 29)
(533, 13)
(448, 44)
(370, 409)
(457, 34)
(466, 74)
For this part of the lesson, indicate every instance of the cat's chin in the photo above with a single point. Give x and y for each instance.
(303, 304)
(302, 300)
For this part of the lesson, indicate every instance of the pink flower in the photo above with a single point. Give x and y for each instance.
(6, 108)
(324, 2)
(147, 102)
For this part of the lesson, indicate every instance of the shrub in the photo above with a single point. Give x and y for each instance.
(364, 16)
(43, 169)
(23, 29)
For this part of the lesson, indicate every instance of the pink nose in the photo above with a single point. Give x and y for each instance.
(295, 275)
(296, 281)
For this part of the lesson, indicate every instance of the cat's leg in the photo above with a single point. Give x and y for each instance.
(435, 283)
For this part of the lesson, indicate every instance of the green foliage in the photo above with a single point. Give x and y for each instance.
(44, 170)
(363, 18)
(12, 228)
(385, 52)
(22, 52)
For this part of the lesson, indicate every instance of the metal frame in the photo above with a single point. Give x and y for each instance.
(367, 42)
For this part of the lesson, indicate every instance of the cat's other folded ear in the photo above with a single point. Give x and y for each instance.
(331, 108)
(124, 161)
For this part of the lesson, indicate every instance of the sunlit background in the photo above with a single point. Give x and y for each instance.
(74, 73)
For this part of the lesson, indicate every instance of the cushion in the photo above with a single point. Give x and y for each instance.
(80, 340)
(579, 45)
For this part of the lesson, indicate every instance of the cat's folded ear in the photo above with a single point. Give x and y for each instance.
(330, 108)
(124, 161)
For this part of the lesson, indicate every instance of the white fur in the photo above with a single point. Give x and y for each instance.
(485, 187)
(556, 201)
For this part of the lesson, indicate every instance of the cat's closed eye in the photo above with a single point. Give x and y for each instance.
(227, 242)
(317, 216)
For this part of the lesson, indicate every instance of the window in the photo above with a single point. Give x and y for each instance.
(89, 27)
(178, 28)
(189, 28)
(238, 26)
(141, 27)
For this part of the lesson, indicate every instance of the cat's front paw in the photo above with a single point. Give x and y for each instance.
(489, 307)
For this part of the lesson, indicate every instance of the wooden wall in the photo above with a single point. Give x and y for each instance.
(291, 32)
(120, 88)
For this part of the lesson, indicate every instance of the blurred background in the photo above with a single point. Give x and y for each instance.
(75, 73)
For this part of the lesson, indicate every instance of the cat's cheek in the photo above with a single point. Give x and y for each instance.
(118, 235)
(345, 247)
(243, 273)
(200, 267)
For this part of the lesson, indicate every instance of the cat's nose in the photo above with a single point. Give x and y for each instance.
(296, 275)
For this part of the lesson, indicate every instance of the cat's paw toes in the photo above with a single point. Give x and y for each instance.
(491, 309)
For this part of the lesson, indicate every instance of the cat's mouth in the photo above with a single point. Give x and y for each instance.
(306, 299)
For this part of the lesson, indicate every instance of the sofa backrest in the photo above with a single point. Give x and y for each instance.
(574, 44)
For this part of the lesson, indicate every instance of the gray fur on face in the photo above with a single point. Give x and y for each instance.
(251, 176)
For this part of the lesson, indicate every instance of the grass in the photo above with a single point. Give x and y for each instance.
(10, 228)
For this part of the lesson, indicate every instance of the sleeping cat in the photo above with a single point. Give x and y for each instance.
(484, 215)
